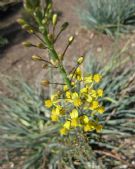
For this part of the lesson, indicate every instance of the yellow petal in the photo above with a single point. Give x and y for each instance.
(77, 102)
(85, 119)
(74, 114)
(99, 128)
(74, 123)
(67, 125)
(48, 103)
(101, 109)
(63, 131)
(54, 118)
(100, 92)
(97, 78)
(88, 79)
(68, 94)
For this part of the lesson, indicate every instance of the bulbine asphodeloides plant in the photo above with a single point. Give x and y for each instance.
(76, 106)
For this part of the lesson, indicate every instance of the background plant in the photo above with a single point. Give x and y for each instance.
(108, 16)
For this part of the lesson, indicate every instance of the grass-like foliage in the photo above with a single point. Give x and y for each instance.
(27, 133)
(26, 129)
(109, 16)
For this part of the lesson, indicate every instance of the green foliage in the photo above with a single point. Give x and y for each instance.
(109, 16)
(3, 41)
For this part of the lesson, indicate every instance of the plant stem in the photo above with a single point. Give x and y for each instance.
(55, 58)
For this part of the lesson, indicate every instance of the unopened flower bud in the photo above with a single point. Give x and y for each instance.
(44, 66)
(71, 38)
(64, 26)
(21, 21)
(36, 58)
(80, 60)
(45, 82)
(28, 28)
(41, 28)
(44, 21)
(24, 122)
(49, 6)
(54, 19)
(41, 45)
(27, 44)
(50, 37)
(31, 4)
(55, 63)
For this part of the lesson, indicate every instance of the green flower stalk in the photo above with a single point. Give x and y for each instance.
(77, 104)
(44, 19)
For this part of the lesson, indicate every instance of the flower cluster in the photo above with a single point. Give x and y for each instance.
(78, 107)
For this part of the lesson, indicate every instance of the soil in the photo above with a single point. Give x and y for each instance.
(15, 58)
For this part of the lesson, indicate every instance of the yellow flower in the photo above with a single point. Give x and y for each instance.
(97, 78)
(94, 105)
(80, 60)
(85, 119)
(88, 79)
(63, 131)
(78, 74)
(48, 103)
(68, 94)
(89, 99)
(101, 109)
(100, 92)
(55, 114)
(74, 114)
(65, 88)
(67, 125)
(74, 122)
(76, 100)
(98, 128)
(54, 117)
(88, 127)
(56, 111)
(84, 90)
(93, 93)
